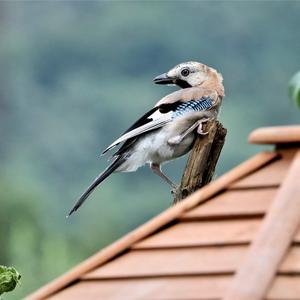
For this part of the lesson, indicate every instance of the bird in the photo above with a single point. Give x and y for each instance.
(168, 130)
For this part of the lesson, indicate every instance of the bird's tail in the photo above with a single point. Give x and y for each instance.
(110, 169)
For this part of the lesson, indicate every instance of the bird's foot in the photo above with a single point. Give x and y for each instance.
(201, 132)
(200, 127)
(174, 191)
(178, 138)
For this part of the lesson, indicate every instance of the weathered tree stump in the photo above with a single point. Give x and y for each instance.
(202, 161)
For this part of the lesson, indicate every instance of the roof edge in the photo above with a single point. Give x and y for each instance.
(154, 224)
(254, 277)
(275, 135)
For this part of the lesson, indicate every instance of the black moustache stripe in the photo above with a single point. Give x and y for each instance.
(182, 83)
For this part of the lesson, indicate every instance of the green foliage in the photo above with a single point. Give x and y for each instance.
(9, 278)
(294, 89)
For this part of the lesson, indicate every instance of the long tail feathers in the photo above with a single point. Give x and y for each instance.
(110, 169)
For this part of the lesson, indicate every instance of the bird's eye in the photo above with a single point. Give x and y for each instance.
(185, 72)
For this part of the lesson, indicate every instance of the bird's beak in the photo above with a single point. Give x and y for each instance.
(163, 79)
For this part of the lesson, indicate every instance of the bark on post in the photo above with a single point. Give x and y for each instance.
(202, 160)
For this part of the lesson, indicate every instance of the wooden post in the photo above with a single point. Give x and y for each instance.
(202, 160)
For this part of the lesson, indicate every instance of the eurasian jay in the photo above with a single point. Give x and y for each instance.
(168, 130)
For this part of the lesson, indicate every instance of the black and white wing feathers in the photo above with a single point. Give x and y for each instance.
(158, 117)
(152, 120)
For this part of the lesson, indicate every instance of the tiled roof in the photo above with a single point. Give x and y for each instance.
(237, 238)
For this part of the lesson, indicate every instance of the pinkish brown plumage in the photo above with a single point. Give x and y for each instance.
(168, 130)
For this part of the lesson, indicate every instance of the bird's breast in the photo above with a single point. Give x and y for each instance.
(153, 147)
(157, 148)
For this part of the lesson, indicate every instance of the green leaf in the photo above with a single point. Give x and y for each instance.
(294, 89)
(9, 278)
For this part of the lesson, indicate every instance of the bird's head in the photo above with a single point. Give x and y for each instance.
(188, 74)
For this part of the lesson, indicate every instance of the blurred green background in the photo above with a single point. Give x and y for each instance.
(74, 75)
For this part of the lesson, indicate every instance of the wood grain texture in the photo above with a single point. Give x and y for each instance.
(154, 224)
(291, 262)
(235, 203)
(172, 262)
(202, 161)
(271, 175)
(179, 288)
(182, 288)
(187, 261)
(275, 135)
(269, 248)
(284, 288)
(207, 233)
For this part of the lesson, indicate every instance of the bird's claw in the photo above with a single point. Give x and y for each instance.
(174, 189)
(200, 127)
(201, 132)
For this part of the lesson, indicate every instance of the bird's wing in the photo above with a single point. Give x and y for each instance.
(170, 107)
(153, 119)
